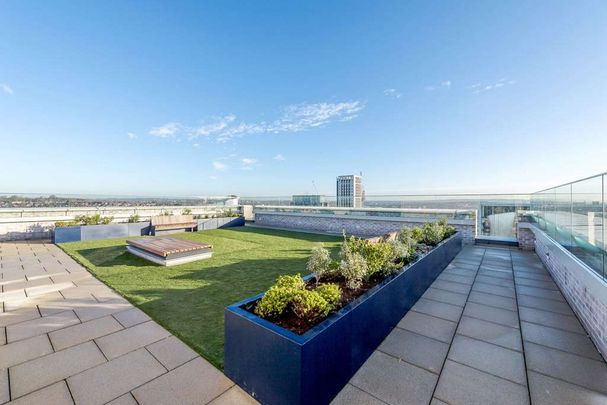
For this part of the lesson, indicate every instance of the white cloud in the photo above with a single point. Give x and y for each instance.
(293, 118)
(213, 177)
(131, 135)
(169, 130)
(478, 88)
(196, 145)
(392, 93)
(248, 161)
(279, 157)
(217, 125)
(444, 85)
(6, 89)
(219, 165)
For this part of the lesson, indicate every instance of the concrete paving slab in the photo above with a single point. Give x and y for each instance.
(540, 293)
(445, 296)
(507, 292)
(492, 300)
(24, 350)
(490, 332)
(84, 332)
(236, 396)
(416, 349)
(462, 385)
(429, 326)
(559, 339)
(545, 304)
(450, 286)
(130, 339)
(552, 319)
(353, 395)
(40, 326)
(438, 309)
(550, 391)
(171, 352)
(492, 359)
(55, 394)
(131, 317)
(394, 381)
(192, 383)
(114, 378)
(43, 371)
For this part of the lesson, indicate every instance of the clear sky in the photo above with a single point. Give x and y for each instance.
(267, 97)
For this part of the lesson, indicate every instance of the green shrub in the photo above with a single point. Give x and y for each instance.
(106, 220)
(166, 213)
(378, 255)
(402, 252)
(353, 268)
(417, 234)
(294, 282)
(319, 262)
(134, 218)
(310, 305)
(60, 224)
(331, 293)
(274, 302)
(432, 233)
(186, 211)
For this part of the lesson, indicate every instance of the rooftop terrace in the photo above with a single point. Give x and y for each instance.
(492, 328)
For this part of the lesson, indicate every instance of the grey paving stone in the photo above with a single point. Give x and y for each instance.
(131, 317)
(559, 339)
(540, 293)
(496, 274)
(583, 371)
(462, 385)
(552, 319)
(532, 276)
(172, 352)
(237, 396)
(436, 401)
(438, 309)
(489, 358)
(126, 399)
(192, 383)
(492, 300)
(4, 388)
(83, 332)
(500, 335)
(492, 314)
(545, 304)
(394, 381)
(494, 289)
(496, 266)
(56, 394)
(445, 296)
(2, 336)
(110, 380)
(459, 272)
(130, 339)
(24, 350)
(451, 286)
(549, 391)
(40, 372)
(429, 326)
(467, 280)
(481, 278)
(40, 326)
(548, 285)
(416, 349)
(353, 395)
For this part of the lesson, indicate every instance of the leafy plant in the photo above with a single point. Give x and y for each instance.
(60, 224)
(274, 302)
(106, 220)
(353, 268)
(319, 262)
(331, 293)
(294, 282)
(134, 218)
(310, 305)
(378, 255)
(186, 211)
(166, 213)
(417, 234)
(433, 233)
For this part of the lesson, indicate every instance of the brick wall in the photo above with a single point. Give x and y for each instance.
(585, 292)
(526, 238)
(365, 227)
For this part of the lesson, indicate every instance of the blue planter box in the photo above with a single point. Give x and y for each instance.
(95, 232)
(277, 366)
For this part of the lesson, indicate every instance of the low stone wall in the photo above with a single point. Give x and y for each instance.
(352, 225)
(526, 238)
(583, 289)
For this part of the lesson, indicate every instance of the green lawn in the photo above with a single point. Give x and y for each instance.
(189, 299)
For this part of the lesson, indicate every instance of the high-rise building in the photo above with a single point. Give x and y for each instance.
(350, 191)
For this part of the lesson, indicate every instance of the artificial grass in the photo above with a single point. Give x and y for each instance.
(189, 299)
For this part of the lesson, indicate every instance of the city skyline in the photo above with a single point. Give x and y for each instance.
(153, 99)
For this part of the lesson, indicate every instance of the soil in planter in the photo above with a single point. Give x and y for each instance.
(292, 322)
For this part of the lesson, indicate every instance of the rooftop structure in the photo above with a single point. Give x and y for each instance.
(349, 191)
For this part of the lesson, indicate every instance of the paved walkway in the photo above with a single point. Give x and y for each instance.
(492, 329)
(67, 338)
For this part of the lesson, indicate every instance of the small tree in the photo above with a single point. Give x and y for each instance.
(319, 262)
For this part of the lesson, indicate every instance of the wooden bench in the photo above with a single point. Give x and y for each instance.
(169, 251)
(167, 223)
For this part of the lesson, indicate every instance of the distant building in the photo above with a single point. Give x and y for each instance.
(308, 200)
(350, 191)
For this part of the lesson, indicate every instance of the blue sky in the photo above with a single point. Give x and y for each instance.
(264, 98)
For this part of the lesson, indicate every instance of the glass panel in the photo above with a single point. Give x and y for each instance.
(587, 222)
(563, 215)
